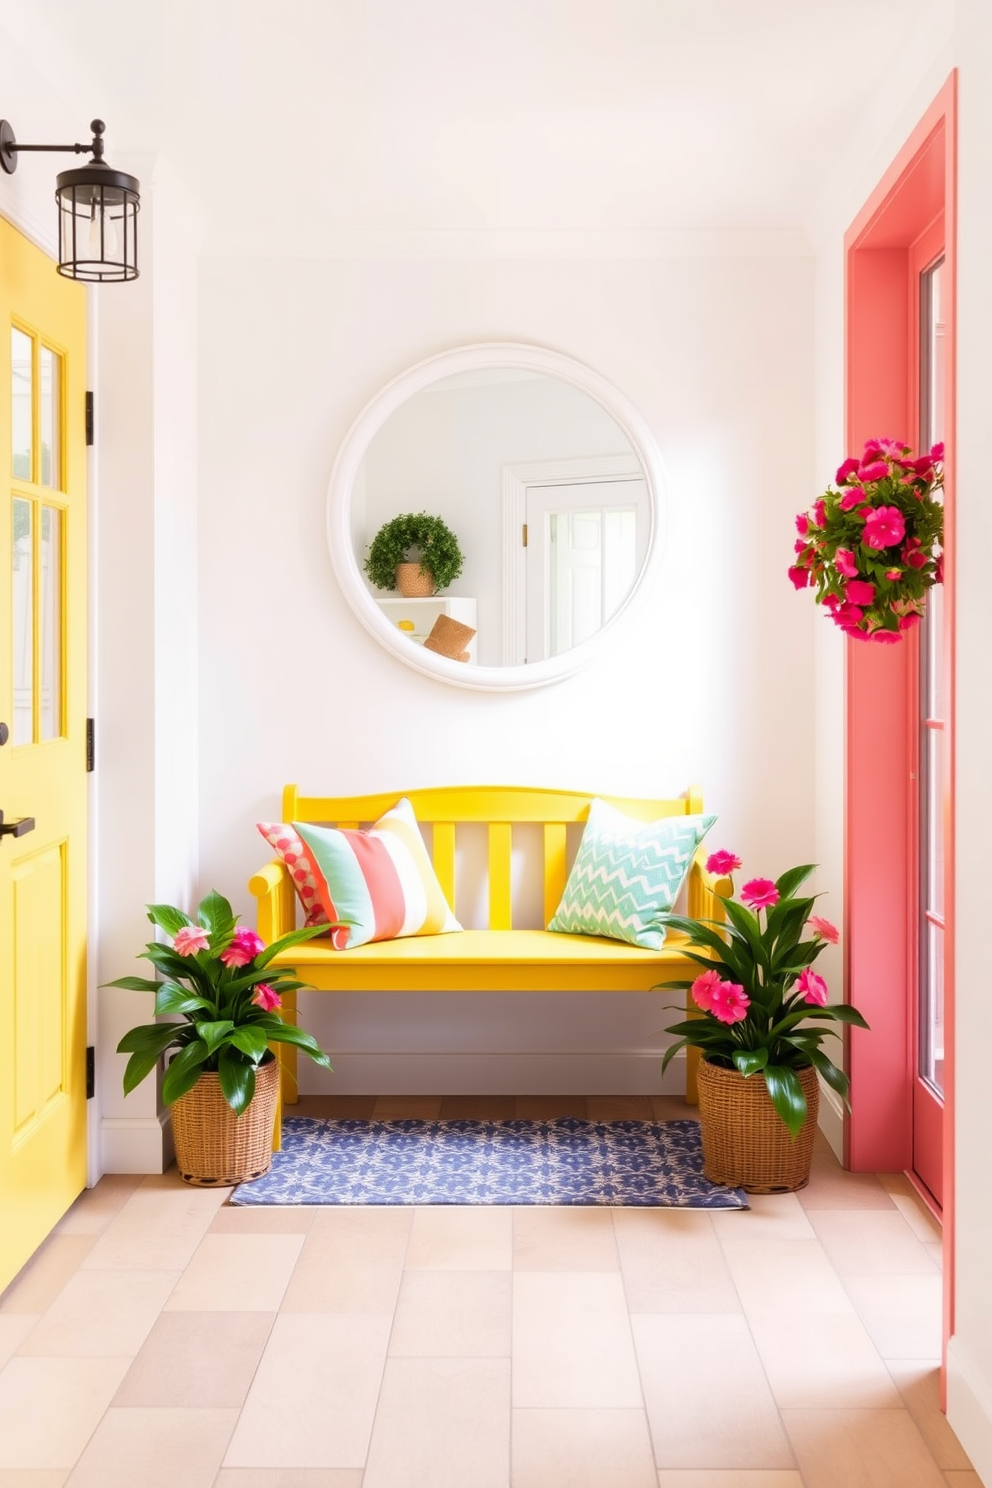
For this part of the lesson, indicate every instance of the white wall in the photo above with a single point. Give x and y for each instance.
(147, 650)
(711, 683)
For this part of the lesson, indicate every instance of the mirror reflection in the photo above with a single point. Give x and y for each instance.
(544, 492)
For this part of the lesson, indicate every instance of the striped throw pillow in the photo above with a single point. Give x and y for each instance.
(627, 875)
(296, 856)
(378, 883)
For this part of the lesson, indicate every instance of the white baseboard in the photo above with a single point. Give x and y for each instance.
(831, 1121)
(380, 1073)
(140, 1144)
(969, 1411)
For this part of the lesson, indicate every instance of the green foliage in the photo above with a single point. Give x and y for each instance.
(216, 982)
(759, 1008)
(414, 535)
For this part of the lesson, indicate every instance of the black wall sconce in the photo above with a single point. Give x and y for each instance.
(98, 210)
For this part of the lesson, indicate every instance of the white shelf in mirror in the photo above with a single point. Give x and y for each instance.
(415, 618)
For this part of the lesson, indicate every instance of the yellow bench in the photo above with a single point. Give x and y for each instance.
(497, 958)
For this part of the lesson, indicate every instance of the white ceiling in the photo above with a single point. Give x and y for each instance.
(474, 115)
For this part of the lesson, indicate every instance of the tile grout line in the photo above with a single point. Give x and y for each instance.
(633, 1341)
(761, 1362)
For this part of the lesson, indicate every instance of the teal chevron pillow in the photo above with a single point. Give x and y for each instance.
(627, 875)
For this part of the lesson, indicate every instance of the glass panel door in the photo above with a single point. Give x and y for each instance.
(928, 1096)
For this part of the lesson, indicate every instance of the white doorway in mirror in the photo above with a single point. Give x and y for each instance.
(575, 537)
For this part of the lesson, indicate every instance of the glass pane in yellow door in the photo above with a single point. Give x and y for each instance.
(22, 443)
(22, 623)
(51, 622)
(50, 380)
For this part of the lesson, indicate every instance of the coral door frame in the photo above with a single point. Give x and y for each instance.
(880, 796)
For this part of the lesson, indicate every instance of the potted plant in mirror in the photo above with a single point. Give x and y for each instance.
(761, 1015)
(437, 563)
(223, 1082)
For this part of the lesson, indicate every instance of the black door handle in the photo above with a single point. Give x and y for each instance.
(4, 734)
(19, 827)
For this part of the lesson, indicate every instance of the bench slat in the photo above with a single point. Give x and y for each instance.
(444, 859)
(500, 858)
(555, 866)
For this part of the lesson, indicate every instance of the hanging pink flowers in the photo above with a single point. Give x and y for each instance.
(870, 547)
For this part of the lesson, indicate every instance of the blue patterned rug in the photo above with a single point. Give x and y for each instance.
(568, 1161)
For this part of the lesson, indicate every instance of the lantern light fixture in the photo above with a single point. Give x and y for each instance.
(98, 210)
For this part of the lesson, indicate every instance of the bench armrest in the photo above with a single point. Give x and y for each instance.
(707, 891)
(273, 888)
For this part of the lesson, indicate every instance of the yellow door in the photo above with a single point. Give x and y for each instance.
(43, 753)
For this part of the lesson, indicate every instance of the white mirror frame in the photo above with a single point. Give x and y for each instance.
(477, 358)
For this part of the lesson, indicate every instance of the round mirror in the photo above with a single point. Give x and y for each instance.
(549, 481)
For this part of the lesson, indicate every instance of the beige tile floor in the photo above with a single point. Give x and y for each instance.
(162, 1339)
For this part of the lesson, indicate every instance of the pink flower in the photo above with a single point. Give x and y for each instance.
(884, 527)
(859, 592)
(802, 524)
(820, 513)
(190, 939)
(913, 555)
(937, 451)
(267, 998)
(893, 574)
(703, 988)
(799, 576)
(846, 615)
(885, 637)
(813, 987)
(729, 1002)
(824, 929)
(851, 498)
(759, 893)
(848, 468)
(938, 572)
(722, 861)
(243, 947)
(877, 470)
(906, 622)
(845, 564)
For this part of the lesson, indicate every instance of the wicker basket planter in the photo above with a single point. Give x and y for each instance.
(215, 1147)
(414, 582)
(746, 1144)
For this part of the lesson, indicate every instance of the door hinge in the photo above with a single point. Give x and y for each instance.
(90, 1072)
(90, 746)
(524, 535)
(89, 418)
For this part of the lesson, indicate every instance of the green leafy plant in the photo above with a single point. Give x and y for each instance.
(215, 977)
(762, 1010)
(433, 542)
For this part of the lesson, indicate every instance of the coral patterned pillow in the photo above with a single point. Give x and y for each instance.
(296, 855)
(378, 884)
